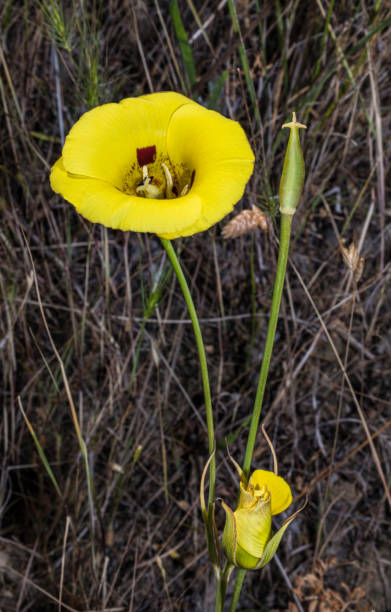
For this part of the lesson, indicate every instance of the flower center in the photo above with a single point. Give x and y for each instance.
(157, 177)
(262, 493)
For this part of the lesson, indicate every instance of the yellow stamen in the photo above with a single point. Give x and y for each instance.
(167, 174)
(263, 493)
(185, 190)
(169, 182)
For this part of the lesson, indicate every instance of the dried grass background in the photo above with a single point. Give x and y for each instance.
(130, 537)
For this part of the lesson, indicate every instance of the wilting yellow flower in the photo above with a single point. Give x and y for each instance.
(158, 163)
(247, 538)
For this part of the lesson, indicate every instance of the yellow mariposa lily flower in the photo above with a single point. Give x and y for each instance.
(247, 539)
(159, 163)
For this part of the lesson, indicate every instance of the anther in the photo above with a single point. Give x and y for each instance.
(185, 190)
(169, 182)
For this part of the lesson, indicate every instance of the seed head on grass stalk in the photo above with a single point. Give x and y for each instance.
(246, 221)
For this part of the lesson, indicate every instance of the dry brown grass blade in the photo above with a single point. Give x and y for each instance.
(379, 154)
(64, 545)
(141, 51)
(46, 593)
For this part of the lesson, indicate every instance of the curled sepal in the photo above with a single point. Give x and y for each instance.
(210, 524)
(202, 488)
(292, 179)
(236, 465)
(274, 542)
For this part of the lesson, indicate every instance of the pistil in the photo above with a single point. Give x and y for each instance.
(150, 187)
(159, 187)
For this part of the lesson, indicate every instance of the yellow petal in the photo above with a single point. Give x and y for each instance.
(199, 138)
(103, 143)
(102, 150)
(219, 187)
(101, 202)
(247, 498)
(217, 149)
(170, 99)
(280, 492)
(253, 528)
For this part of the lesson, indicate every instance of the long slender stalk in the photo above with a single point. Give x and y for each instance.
(204, 368)
(285, 234)
(222, 587)
(238, 587)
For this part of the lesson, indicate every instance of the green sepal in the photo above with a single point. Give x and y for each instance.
(274, 542)
(210, 524)
(230, 536)
(244, 560)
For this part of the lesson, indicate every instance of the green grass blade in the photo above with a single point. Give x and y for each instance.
(184, 45)
(40, 450)
(217, 89)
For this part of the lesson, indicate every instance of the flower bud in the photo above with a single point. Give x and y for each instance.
(292, 179)
(247, 539)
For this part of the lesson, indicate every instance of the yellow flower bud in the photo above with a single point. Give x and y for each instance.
(247, 539)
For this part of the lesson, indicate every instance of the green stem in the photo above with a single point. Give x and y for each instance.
(222, 587)
(285, 235)
(204, 368)
(238, 587)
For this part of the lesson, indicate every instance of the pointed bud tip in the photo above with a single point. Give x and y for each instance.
(294, 123)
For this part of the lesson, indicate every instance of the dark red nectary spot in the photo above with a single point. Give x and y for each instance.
(146, 155)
